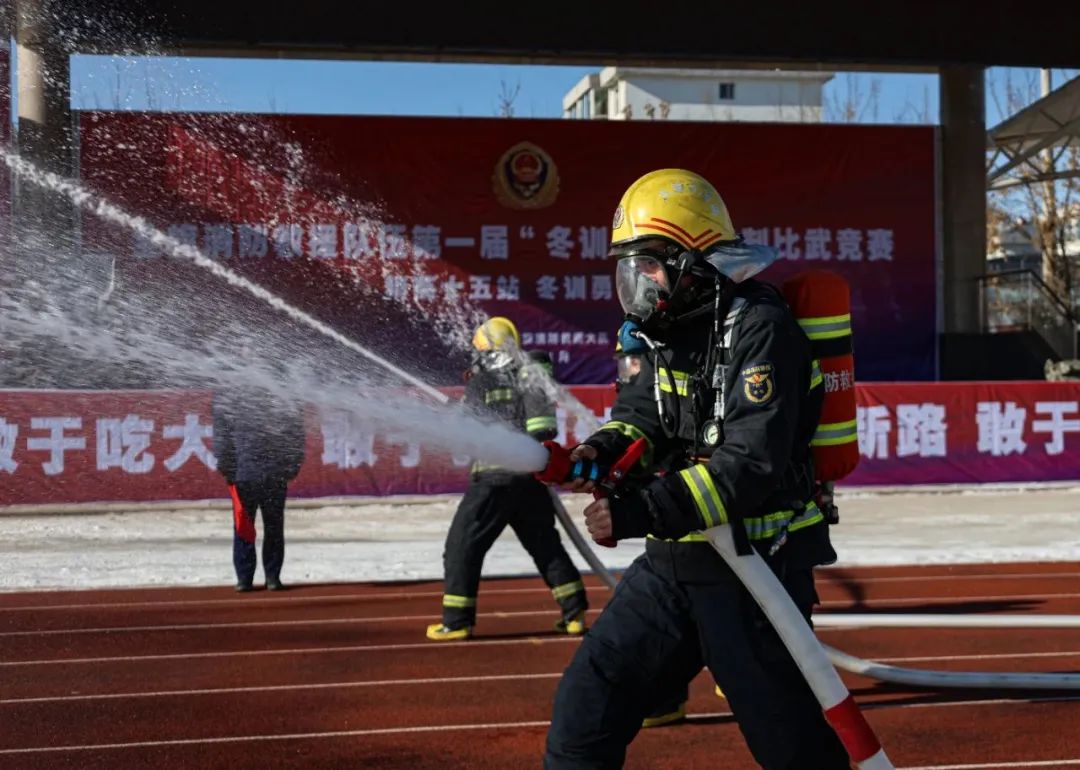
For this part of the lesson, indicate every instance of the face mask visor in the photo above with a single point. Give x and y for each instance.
(641, 282)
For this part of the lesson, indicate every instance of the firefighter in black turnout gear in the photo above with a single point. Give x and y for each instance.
(727, 397)
(505, 385)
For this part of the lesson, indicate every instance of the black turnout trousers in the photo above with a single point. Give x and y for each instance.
(489, 505)
(654, 637)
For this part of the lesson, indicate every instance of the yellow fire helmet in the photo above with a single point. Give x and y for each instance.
(667, 222)
(496, 333)
(675, 204)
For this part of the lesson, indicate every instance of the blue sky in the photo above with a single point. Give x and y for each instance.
(389, 88)
(406, 88)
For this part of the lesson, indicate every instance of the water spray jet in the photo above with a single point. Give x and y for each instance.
(447, 428)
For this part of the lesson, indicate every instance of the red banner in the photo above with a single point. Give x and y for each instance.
(71, 447)
(407, 217)
(82, 446)
(968, 432)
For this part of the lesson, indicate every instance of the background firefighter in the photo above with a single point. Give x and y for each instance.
(728, 397)
(502, 385)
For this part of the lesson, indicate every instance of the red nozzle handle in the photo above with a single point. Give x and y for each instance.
(560, 467)
(617, 473)
(558, 470)
(630, 458)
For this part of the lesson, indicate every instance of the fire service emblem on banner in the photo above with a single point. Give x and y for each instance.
(526, 178)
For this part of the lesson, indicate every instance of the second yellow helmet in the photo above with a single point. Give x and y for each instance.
(496, 333)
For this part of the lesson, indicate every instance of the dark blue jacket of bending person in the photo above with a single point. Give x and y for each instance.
(257, 438)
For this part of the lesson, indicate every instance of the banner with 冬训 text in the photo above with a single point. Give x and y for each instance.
(390, 229)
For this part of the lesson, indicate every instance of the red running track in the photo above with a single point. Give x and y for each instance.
(341, 676)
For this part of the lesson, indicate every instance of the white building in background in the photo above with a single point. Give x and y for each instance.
(1015, 246)
(648, 93)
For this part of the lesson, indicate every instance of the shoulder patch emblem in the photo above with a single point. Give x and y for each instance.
(758, 383)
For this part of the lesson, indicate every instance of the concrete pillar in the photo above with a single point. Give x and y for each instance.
(38, 268)
(5, 74)
(6, 65)
(43, 82)
(963, 173)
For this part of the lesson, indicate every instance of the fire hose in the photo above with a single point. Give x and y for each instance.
(818, 662)
(839, 706)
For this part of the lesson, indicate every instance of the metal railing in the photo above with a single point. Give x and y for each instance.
(1019, 300)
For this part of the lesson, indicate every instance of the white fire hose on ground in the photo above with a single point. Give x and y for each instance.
(868, 620)
(914, 677)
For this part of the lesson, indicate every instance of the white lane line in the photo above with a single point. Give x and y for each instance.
(514, 614)
(284, 688)
(302, 598)
(988, 766)
(447, 728)
(257, 601)
(985, 702)
(478, 643)
(439, 680)
(286, 737)
(272, 623)
(826, 574)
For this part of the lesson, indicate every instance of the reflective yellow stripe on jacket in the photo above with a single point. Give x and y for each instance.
(534, 424)
(711, 510)
(710, 507)
(835, 433)
(632, 432)
(768, 526)
(826, 327)
(816, 377)
(681, 382)
(498, 395)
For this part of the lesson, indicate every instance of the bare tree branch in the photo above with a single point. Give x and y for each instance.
(507, 97)
(1045, 209)
(854, 104)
